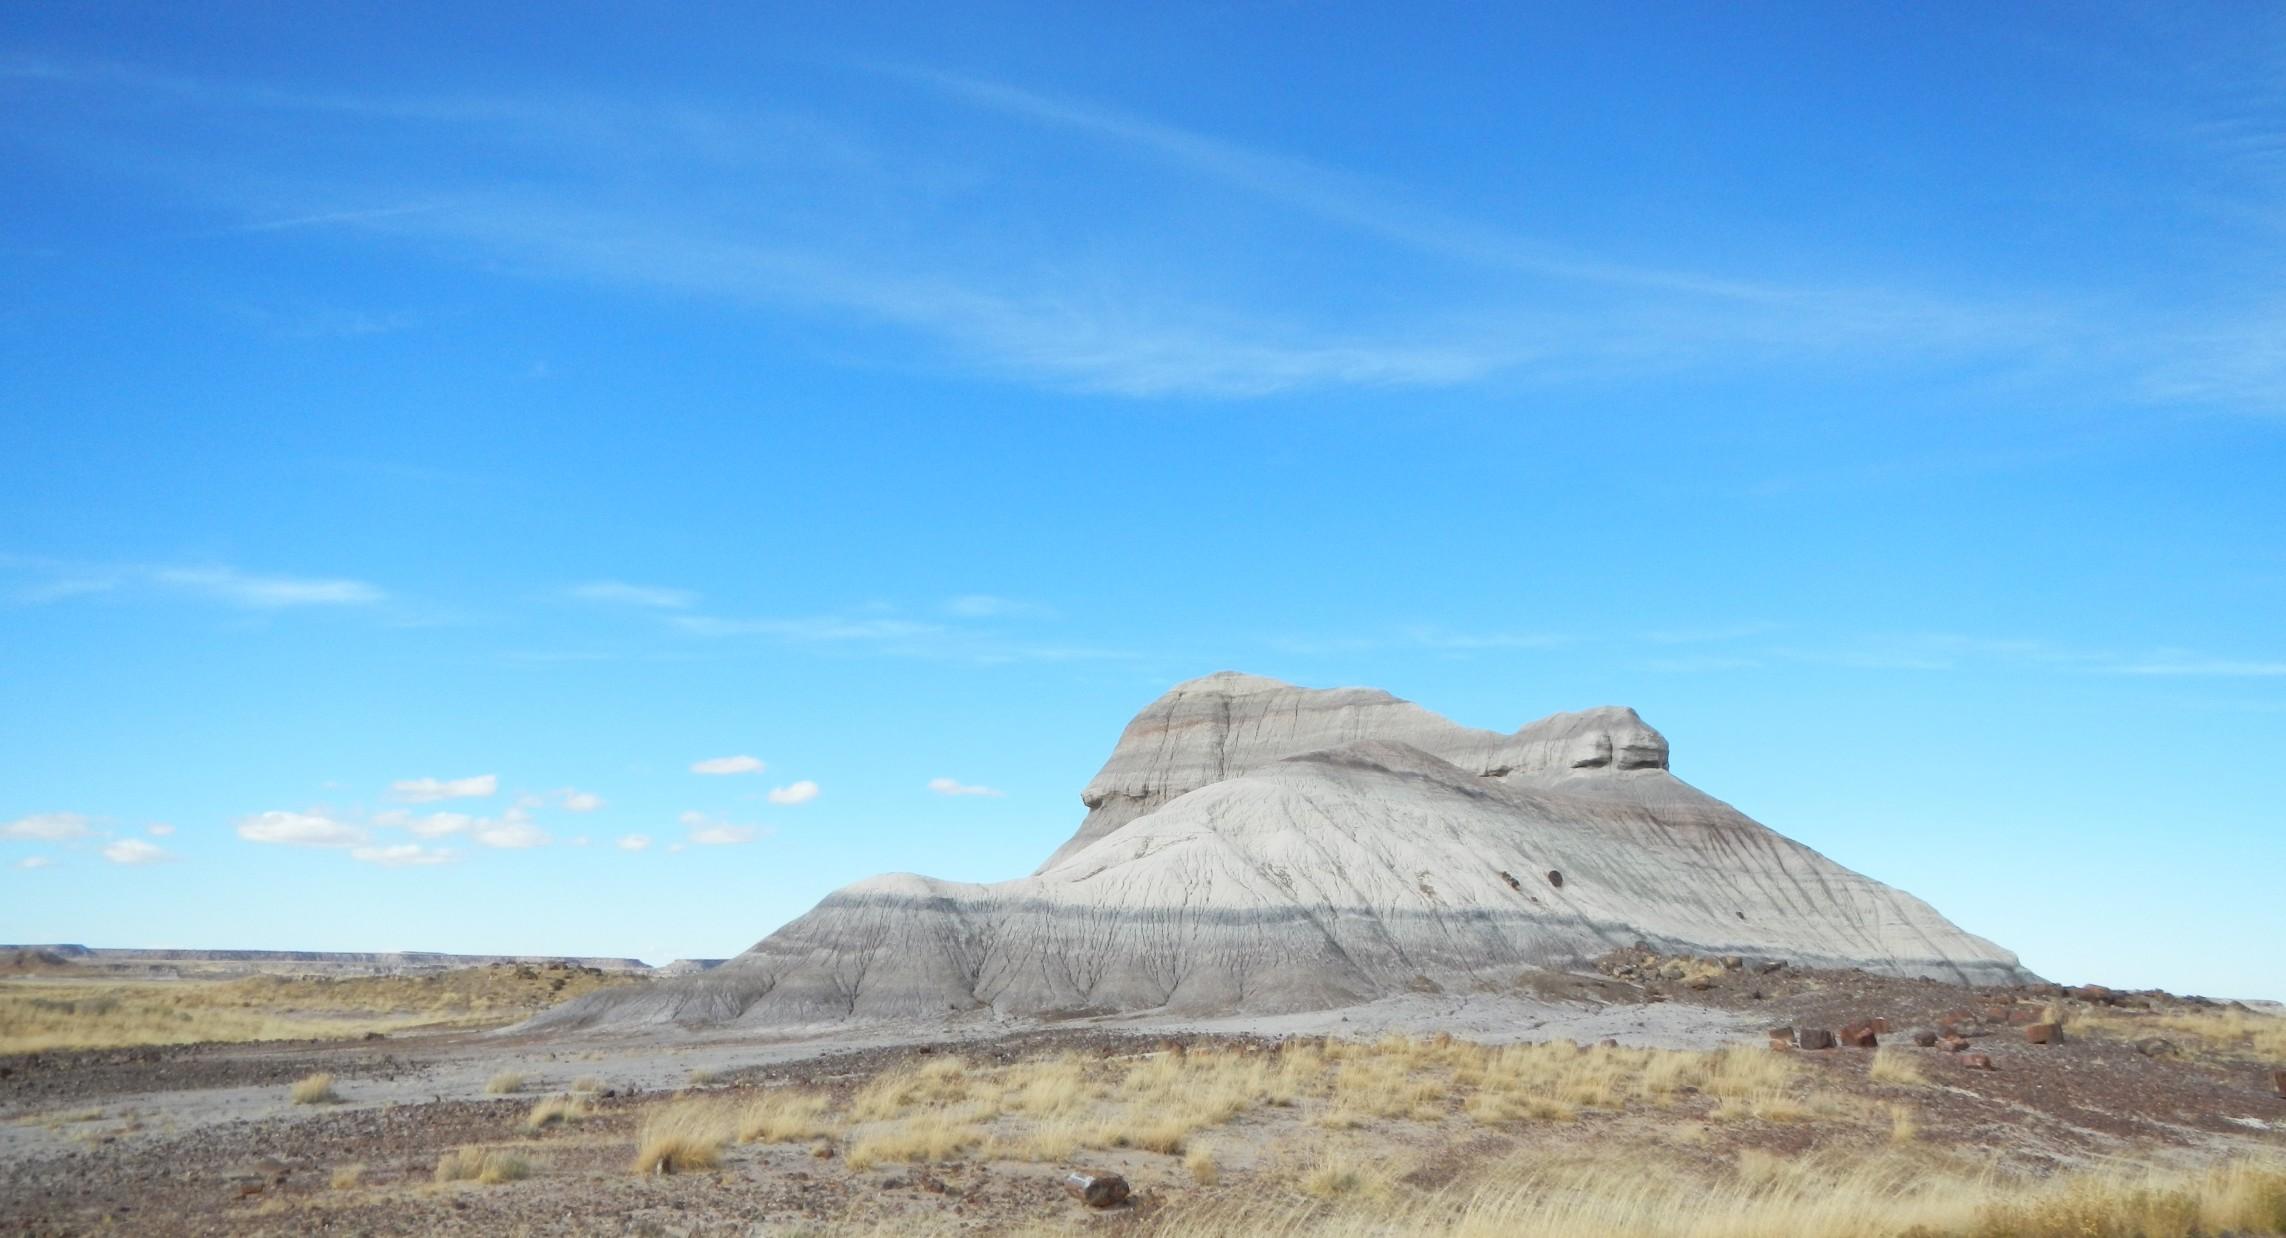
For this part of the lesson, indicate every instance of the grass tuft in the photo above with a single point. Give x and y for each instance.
(683, 1137)
(1895, 1066)
(556, 1110)
(483, 1166)
(314, 1089)
(506, 1083)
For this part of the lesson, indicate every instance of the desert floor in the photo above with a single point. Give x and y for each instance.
(1641, 1097)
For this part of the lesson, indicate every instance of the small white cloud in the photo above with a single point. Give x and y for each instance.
(673, 848)
(430, 790)
(47, 826)
(299, 829)
(709, 831)
(579, 801)
(512, 834)
(634, 842)
(439, 824)
(34, 861)
(950, 786)
(728, 765)
(159, 829)
(799, 793)
(579, 841)
(134, 851)
(620, 593)
(400, 855)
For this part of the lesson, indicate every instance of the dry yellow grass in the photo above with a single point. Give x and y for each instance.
(684, 1136)
(506, 1083)
(1058, 1109)
(483, 1166)
(1904, 1127)
(785, 1116)
(1896, 1197)
(1336, 1174)
(1895, 1066)
(927, 1137)
(346, 1177)
(554, 1110)
(314, 1090)
(587, 1083)
(1049, 1110)
(71, 1012)
(2225, 1030)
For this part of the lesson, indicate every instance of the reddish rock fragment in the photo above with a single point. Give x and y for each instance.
(1978, 1061)
(2044, 1034)
(1096, 1190)
(1813, 1038)
(1953, 1044)
(1860, 1036)
(1925, 1039)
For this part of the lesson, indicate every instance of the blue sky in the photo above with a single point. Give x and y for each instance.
(424, 437)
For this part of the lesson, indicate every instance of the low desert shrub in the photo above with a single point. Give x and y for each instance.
(483, 1166)
(314, 1089)
(683, 1136)
(506, 1083)
(554, 1110)
(925, 1137)
(785, 1116)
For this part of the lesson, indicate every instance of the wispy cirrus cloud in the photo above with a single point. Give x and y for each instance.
(784, 212)
(620, 593)
(50, 581)
(953, 787)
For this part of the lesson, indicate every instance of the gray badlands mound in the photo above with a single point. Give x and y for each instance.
(1252, 846)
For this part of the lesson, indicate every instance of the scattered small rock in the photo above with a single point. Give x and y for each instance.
(1813, 1038)
(2157, 1046)
(2043, 1034)
(1978, 1061)
(1096, 1190)
(1925, 1039)
(1860, 1036)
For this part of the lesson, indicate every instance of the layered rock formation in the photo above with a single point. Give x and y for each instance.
(1254, 846)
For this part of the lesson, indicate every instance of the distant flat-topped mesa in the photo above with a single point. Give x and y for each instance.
(1252, 846)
